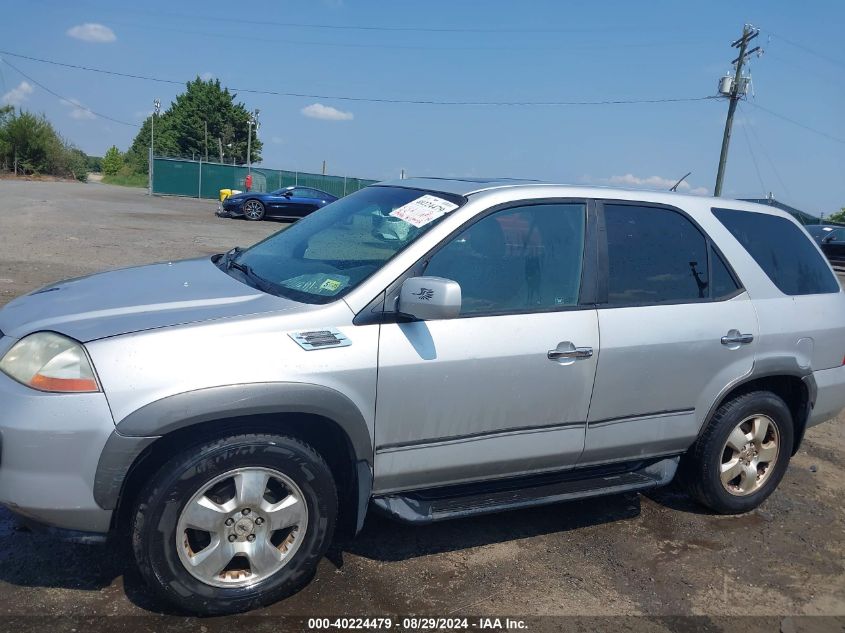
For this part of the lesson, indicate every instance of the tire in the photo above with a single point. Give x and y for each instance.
(299, 486)
(253, 210)
(738, 441)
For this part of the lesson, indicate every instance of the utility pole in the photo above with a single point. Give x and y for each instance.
(156, 108)
(206, 140)
(220, 147)
(253, 120)
(324, 168)
(734, 89)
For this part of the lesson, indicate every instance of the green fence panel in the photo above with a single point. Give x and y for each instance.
(177, 177)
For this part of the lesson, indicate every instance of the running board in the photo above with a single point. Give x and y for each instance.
(465, 500)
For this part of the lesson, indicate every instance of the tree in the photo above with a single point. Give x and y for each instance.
(30, 145)
(112, 161)
(838, 216)
(181, 129)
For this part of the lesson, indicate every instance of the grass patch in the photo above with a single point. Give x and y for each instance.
(126, 180)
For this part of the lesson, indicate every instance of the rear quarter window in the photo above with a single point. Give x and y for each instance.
(782, 250)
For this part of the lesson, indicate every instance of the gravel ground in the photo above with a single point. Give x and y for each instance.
(657, 554)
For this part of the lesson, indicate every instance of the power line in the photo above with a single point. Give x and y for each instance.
(766, 154)
(797, 123)
(335, 43)
(277, 93)
(753, 157)
(66, 99)
(229, 19)
(809, 50)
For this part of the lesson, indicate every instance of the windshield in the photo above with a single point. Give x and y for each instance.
(328, 253)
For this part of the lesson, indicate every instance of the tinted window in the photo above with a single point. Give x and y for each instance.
(655, 256)
(782, 250)
(723, 284)
(517, 260)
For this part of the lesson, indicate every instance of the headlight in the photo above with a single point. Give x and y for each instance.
(50, 362)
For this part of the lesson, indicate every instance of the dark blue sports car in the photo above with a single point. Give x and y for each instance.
(290, 202)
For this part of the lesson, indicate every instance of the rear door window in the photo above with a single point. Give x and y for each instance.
(782, 250)
(655, 255)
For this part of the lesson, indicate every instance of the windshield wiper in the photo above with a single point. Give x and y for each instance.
(230, 262)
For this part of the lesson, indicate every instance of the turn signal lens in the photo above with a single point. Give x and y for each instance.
(50, 362)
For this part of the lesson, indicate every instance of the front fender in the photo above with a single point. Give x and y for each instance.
(139, 429)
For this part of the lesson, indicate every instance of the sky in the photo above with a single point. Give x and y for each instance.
(467, 51)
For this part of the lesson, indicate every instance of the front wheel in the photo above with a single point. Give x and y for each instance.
(235, 523)
(254, 210)
(743, 454)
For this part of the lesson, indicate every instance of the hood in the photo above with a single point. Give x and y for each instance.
(135, 299)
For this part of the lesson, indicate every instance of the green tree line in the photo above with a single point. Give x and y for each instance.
(29, 144)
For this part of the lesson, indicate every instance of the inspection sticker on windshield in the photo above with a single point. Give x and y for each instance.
(423, 210)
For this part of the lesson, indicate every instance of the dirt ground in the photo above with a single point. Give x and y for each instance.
(656, 555)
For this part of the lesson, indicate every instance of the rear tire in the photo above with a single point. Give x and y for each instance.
(261, 508)
(742, 455)
(253, 210)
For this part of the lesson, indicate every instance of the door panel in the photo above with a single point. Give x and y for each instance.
(473, 398)
(499, 391)
(670, 301)
(661, 368)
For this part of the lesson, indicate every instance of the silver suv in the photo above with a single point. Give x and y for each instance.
(426, 348)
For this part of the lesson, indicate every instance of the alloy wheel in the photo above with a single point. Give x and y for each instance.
(241, 527)
(749, 455)
(253, 210)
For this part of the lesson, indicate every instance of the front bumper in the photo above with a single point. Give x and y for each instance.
(229, 210)
(830, 395)
(50, 445)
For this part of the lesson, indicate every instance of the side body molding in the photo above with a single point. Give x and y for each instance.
(139, 429)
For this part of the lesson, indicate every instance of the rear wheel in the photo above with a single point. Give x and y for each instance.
(235, 524)
(742, 455)
(254, 210)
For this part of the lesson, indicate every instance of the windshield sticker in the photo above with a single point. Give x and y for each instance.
(317, 283)
(423, 210)
(332, 285)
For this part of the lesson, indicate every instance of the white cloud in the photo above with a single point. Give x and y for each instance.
(650, 182)
(19, 94)
(327, 113)
(78, 111)
(207, 75)
(278, 140)
(92, 32)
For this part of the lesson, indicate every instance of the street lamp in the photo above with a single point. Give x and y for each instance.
(253, 120)
(156, 110)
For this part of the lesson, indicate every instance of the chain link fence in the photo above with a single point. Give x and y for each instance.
(197, 179)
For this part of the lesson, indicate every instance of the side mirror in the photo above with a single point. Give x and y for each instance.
(430, 298)
(288, 193)
(827, 239)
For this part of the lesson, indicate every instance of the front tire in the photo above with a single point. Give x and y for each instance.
(253, 210)
(235, 523)
(743, 454)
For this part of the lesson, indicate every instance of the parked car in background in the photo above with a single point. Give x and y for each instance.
(831, 240)
(287, 203)
(526, 343)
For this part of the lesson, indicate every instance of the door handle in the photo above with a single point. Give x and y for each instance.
(572, 352)
(734, 337)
